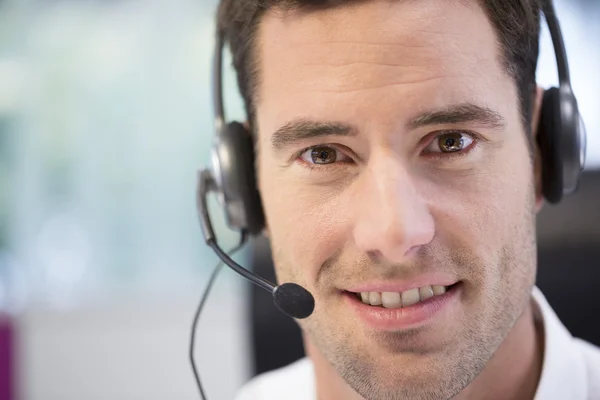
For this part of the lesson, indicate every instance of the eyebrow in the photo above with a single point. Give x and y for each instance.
(459, 113)
(297, 131)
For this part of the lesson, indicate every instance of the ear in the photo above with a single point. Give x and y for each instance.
(537, 156)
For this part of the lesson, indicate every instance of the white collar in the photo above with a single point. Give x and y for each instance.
(564, 373)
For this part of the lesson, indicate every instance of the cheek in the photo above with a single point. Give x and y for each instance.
(484, 203)
(473, 212)
(306, 225)
(484, 226)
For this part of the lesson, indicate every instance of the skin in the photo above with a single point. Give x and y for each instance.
(393, 205)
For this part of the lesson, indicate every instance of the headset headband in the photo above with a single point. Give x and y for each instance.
(217, 93)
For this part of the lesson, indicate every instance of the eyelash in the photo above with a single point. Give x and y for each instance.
(431, 155)
(451, 156)
(298, 157)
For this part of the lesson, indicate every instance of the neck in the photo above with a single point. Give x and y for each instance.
(512, 373)
(514, 370)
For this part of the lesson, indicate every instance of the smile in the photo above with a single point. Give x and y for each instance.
(402, 299)
(398, 311)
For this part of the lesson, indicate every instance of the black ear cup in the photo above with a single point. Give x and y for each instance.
(561, 138)
(549, 140)
(234, 174)
(573, 140)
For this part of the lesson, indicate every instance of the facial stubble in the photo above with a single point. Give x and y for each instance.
(453, 367)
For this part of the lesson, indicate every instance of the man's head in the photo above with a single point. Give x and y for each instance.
(393, 151)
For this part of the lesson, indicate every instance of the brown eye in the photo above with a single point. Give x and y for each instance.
(450, 142)
(323, 155)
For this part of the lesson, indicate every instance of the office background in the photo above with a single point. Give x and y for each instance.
(105, 117)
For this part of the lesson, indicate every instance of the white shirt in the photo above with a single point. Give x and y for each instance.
(570, 370)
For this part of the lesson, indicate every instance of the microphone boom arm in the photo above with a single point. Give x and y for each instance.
(205, 184)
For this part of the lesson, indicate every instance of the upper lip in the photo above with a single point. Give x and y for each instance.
(435, 279)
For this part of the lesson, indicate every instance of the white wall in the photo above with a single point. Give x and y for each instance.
(109, 116)
(135, 350)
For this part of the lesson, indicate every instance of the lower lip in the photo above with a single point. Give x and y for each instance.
(398, 319)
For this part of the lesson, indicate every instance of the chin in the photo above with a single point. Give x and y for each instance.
(401, 381)
(376, 374)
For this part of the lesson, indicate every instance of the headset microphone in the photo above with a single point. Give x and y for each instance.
(292, 299)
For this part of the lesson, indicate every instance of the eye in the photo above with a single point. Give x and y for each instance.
(450, 142)
(322, 155)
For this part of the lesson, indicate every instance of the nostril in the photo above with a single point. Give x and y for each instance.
(375, 256)
(378, 257)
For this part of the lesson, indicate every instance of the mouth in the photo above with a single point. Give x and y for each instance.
(399, 311)
(395, 300)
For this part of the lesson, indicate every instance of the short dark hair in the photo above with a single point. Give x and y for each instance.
(517, 25)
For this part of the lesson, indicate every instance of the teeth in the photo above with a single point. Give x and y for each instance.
(404, 299)
(391, 299)
(437, 290)
(365, 297)
(375, 298)
(410, 297)
(426, 292)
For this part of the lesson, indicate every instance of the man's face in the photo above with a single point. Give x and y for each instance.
(402, 165)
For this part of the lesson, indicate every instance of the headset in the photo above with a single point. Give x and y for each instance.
(561, 139)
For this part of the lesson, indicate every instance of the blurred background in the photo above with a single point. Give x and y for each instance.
(105, 117)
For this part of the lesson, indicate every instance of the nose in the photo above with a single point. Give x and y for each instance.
(392, 219)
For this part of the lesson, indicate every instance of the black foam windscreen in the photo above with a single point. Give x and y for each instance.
(294, 300)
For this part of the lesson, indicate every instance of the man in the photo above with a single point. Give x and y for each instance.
(400, 180)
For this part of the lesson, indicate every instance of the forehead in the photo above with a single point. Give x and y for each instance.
(377, 56)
